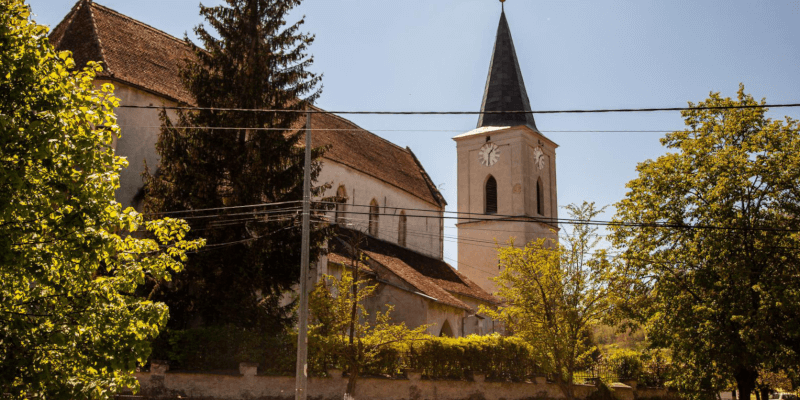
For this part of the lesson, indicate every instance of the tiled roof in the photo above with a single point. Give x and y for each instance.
(345, 260)
(144, 57)
(131, 51)
(431, 276)
(372, 155)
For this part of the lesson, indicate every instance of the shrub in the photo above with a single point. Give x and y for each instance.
(499, 357)
(223, 348)
(627, 364)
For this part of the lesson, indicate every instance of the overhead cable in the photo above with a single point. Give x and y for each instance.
(588, 111)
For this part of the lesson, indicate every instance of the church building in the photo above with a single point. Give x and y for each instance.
(506, 173)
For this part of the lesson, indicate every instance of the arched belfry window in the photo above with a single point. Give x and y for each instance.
(373, 217)
(491, 196)
(539, 197)
(341, 205)
(401, 229)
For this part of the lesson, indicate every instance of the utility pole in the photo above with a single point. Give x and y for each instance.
(301, 372)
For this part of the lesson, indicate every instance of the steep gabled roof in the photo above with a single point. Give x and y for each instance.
(131, 51)
(505, 89)
(372, 155)
(146, 58)
(432, 277)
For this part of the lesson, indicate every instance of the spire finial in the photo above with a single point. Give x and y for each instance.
(503, 5)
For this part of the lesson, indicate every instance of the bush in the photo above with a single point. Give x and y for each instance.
(627, 364)
(657, 368)
(499, 357)
(224, 347)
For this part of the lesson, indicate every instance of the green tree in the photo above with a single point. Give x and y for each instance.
(555, 293)
(249, 61)
(69, 326)
(345, 328)
(720, 285)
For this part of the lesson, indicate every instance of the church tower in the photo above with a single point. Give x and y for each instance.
(506, 171)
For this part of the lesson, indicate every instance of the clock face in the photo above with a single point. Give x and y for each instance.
(538, 158)
(489, 154)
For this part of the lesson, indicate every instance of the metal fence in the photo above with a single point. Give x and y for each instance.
(603, 370)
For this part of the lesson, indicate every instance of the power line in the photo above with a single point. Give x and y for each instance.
(467, 217)
(550, 220)
(607, 110)
(228, 128)
(222, 208)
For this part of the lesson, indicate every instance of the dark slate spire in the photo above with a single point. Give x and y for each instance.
(505, 90)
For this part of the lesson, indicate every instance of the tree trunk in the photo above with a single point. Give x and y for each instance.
(350, 393)
(765, 393)
(566, 387)
(745, 382)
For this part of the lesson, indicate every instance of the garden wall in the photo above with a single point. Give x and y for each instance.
(248, 386)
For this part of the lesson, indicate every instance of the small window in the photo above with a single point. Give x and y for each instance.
(373, 217)
(401, 229)
(341, 205)
(539, 197)
(491, 196)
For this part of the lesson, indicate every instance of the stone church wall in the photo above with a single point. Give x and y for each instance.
(247, 385)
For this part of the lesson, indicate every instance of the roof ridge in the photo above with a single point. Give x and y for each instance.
(68, 18)
(135, 21)
(434, 190)
(107, 68)
(356, 125)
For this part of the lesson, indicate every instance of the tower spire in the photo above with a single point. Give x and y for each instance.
(505, 89)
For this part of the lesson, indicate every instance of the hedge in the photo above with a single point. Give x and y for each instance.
(499, 357)
(223, 348)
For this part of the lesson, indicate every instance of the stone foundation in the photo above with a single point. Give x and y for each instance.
(246, 385)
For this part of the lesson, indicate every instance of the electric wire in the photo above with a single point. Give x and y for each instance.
(223, 208)
(227, 128)
(577, 111)
(524, 218)
(467, 217)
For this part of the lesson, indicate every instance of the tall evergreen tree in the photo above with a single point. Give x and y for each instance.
(253, 61)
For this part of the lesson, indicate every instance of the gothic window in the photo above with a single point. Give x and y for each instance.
(341, 204)
(401, 229)
(373, 217)
(539, 197)
(446, 331)
(491, 196)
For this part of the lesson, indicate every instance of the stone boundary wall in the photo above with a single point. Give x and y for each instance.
(248, 386)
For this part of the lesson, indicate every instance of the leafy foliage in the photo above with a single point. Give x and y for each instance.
(723, 296)
(501, 358)
(345, 329)
(224, 347)
(70, 327)
(555, 294)
(250, 60)
(627, 364)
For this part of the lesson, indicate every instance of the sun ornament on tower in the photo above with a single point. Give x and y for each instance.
(506, 170)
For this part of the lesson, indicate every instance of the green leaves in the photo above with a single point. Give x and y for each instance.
(717, 295)
(70, 256)
(554, 293)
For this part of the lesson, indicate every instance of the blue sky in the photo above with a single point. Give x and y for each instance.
(434, 56)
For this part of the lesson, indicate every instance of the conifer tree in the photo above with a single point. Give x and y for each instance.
(252, 61)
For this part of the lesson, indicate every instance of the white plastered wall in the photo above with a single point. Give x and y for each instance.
(423, 228)
(139, 129)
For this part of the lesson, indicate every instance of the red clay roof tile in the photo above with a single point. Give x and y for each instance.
(144, 57)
